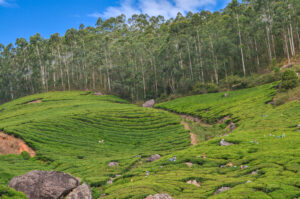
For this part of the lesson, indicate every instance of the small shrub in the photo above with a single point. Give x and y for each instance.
(236, 82)
(289, 79)
(25, 155)
(212, 88)
(290, 95)
(200, 88)
(276, 69)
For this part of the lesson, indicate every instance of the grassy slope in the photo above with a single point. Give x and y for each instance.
(65, 129)
(277, 160)
(68, 125)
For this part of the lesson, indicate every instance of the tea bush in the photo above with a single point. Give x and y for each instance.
(289, 79)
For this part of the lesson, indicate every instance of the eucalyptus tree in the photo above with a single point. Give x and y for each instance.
(148, 56)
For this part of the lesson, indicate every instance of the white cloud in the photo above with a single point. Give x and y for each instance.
(95, 15)
(3, 3)
(8, 3)
(127, 7)
(166, 8)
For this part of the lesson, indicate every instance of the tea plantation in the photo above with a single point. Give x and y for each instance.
(262, 160)
(66, 127)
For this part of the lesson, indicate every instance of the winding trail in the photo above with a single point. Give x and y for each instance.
(195, 119)
(194, 140)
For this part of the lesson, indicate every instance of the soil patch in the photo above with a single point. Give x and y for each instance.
(224, 119)
(193, 139)
(35, 101)
(195, 119)
(193, 136)
(11, 145)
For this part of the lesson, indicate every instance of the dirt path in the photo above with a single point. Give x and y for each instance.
(195, 119)
(193, 136)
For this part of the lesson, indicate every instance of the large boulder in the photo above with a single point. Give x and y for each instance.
(82, 192)
(152, 158)
(149, 103)
(159, 196)
(44, 184)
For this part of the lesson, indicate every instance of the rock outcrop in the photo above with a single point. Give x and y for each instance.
(81, 192)
(194, 182)
(113, 164)
(224, 143)
(11, 145)
(152, 158)
(44, 184)
(149, 103)
(232, 126)
(222, 189)
(98, 93)
(159, 196)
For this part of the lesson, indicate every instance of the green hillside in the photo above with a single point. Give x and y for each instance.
(65, 129)
(272, 161)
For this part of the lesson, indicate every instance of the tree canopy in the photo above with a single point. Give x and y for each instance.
(148, 56)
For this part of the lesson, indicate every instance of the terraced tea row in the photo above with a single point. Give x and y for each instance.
(79, 133)
(263, 160)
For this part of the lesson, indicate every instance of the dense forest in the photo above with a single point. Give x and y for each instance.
(145, 57)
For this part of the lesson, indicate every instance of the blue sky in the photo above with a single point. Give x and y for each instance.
(24, 18)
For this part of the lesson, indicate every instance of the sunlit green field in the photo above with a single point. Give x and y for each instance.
(65, 130)
(272, 163)
(66, 127)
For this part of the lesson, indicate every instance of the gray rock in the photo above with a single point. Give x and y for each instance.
(224, 143)
(159, 196)
(113, 164)
(222, 189)
(149, 103)
(153, 158)
(254, 172)
(44, 184)
(110, 181)
(194, 182)
(98, 93)
(189, 164)
(81, 192)
(226, 95)
(232, 126)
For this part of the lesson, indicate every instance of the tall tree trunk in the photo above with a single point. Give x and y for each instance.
(268, 43)
(292, 40)
(200, 56)
(107, 72)
(155, 76)
(190, 61)
(256, 50)
(241, 45)
(42, 68)
(143, 76)
(215, 65)
(286, 47)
